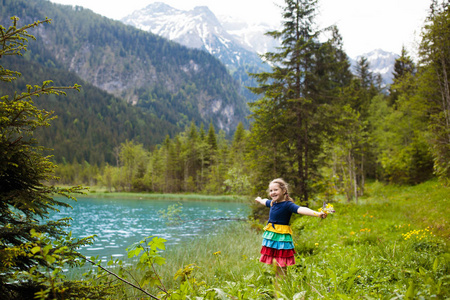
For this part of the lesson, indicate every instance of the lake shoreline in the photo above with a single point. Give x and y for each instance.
(158, 196)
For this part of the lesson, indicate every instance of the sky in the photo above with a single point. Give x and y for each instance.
(365, 25)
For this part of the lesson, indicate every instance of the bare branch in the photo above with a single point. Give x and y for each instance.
(120, 278)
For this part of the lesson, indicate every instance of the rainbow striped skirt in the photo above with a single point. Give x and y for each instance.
(277, 245)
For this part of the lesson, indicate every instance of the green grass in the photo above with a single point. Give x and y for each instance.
(427, 204)
(219, 261)
(218, 258)
(393, 244)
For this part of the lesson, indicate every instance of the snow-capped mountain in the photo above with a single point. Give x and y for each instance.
(381, 62)
(234, 42)
(249, 35)
(198, 28)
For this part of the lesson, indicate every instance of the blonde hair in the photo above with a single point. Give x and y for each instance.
(284, 187)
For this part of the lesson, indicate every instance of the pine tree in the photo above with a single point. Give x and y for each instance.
(239, 135)
(291, 120)
(404, 66)
(435, 83)
(212, 139)
(193, 161)
(363, 72)
(32, 249)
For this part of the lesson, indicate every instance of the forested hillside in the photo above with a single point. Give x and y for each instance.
(89, 124)
(199, 28)
(171, 82)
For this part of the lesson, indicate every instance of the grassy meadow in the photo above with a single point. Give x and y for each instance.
(393, 244)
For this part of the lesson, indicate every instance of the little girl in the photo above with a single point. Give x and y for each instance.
(277, 240)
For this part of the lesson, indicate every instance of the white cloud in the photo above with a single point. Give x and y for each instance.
(364, 24)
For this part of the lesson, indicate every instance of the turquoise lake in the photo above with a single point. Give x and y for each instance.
(118, 223)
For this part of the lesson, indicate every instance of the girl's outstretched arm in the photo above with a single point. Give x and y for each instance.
(260, 201)
(309, 212)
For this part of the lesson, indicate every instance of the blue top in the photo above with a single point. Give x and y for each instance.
(281, 212)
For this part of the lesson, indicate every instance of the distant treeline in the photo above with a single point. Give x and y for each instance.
(194, 161)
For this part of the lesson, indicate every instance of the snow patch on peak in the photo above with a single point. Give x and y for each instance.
(197, 28)
(380, 62)
(250, 35)
(202, 9)
(157, 7)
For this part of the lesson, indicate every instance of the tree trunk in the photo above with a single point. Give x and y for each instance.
(363, 176)
(355, 181)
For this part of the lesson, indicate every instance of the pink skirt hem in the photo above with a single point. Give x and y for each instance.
(281, 261)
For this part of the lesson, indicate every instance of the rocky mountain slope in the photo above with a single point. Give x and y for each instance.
(235, 42)
(198, 28)
(172, 82)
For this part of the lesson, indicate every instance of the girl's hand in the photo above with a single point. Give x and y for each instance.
(322, 215)
(258, 199)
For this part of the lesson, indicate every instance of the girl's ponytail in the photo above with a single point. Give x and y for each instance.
(288, 198)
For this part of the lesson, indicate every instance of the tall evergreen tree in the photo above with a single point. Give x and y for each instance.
(363, 72)
(403, 66)
(193, 154)
(435, 83)
(31, 262)
(239, 135)
(212, 138)
(291, 118)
